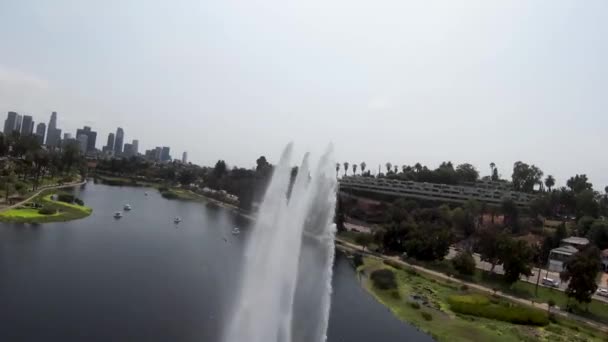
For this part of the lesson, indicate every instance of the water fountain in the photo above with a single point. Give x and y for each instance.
(286, 281)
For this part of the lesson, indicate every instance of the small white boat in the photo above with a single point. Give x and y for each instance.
(117, 214)
(127, 207)
(146, 193)
(177, 220)
(236, 231)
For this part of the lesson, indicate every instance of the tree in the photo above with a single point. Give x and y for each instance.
(389, 166)
(583, 226)
(364, 240)
(71, 153)
(511, 215)
(598, 234)
(579, 183)
(345, 168)
(580, 273)
(492, 167)
(339, 215)
(549, 182)
(467, 173)
(525, 176)
(337, 169)
(464, 263)
(586, 204)
(220, 169)
(8, 178)
(463, 220)
(396, 168)
(488, 246)
(363, 166)
(516, 257)
(428, 241)
(354, 169)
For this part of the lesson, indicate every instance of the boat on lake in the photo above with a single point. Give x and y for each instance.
(127, 207)
(236, 231)
(117, 214)
(177, 220)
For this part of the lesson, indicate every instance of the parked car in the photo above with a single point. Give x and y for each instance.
(550, 282)
(602, 292)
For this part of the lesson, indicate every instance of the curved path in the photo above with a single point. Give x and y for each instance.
(40, 190)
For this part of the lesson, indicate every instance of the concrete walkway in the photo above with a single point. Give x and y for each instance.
(542, 306)
(39, 191)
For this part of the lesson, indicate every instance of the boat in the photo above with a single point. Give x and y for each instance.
(127, 207)
(177, 220)
(236, 231)
(146, 193)
(117, 214)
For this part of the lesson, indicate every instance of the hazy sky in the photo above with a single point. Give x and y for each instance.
(399, 81)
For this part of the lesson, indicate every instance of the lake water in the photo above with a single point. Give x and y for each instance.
(144, 278)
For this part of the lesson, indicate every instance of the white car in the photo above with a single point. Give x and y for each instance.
(602, 292)
(550, 282)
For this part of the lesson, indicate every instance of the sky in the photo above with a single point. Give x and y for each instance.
(384, 81)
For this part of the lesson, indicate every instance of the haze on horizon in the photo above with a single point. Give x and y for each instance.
(397, 81)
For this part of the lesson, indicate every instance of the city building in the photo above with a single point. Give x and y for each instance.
(67, 136)
(91, 137)
(110, 144)
(27, 125)
(559, 256)
(165, 154)
(83, 142)
(41, 132)
(12, 123)
(53, 134)
(118, 141)
(185, 157)
(157, 153)
(135, 147)
(128, 150)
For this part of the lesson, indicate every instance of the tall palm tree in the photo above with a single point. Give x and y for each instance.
(550, 182)
(396, 168)
(389, 166)
(337, 169)
(355, 168)
(492, 167)
(418, 167)
(345, 168)
(363, 166)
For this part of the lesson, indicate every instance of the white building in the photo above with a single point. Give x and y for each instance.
(559, 256)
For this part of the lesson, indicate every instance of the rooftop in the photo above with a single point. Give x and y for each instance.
(575, 240)
(565, 250)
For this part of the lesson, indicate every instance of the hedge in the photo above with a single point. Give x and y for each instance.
(478, 306)
(384, 279)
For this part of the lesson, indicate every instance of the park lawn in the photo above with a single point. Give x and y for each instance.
(447, 325)
(65, 212)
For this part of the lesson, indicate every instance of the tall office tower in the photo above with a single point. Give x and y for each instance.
(10, 124)
(53, 134)
(91, 137)
(40, 132)
(120, 136)
(164, 155)
(185, 157)
(110, 144)
(26, 125)
(127, 150)
(135, 147)
(83, 141)
(157, 153)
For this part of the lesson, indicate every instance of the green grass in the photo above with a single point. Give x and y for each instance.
(448, 325)
(64, 211)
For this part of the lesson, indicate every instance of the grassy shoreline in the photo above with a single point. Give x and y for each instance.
(63, 211)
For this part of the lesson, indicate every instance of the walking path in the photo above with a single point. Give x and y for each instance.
(39, 191)
(478, 287)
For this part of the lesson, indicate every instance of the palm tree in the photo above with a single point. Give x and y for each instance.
(396, 168)
(418, 167)
(337, 169)
(389, 166)
(550, 182)
(354, 169)
(8, 177)
(492, 167)
(363, 166)
(345, 168)
(606, 190)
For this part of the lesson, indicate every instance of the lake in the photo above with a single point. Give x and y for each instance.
(144, 278)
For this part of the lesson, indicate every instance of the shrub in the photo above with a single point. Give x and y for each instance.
(480, 306)
(464, 263)
(426, 315)
(169, 195)
(415, 305)
(395, 294)
(384, 279)
(78, 201)
(65, 198)
(47, 211)
(163, 189)
(464, 287)
(357, 260)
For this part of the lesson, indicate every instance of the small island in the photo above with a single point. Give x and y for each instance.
(48, 207)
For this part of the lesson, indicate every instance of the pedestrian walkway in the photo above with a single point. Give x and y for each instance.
(39, 191)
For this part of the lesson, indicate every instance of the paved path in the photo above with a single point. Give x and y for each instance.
(542, 306)
(40, 190)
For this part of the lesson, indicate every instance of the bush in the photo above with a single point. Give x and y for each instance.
(464, 287)
(47, 211)
(427, 316)
(415, 305)
(480, 306)
(384, 279)
(79, 201)
(395, 294)
(67, 198)
(464, 263)
(357, 260)
(169, 195)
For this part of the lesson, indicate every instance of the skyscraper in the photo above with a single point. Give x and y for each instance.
(53, 135)
(185, 157)
(10, 124)
(110, 144)
(128, 150)
(40, 132)
(91, 137)
(164, 154)
(83, 142)
(27, 124)
(135, 147)
(120, 136)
